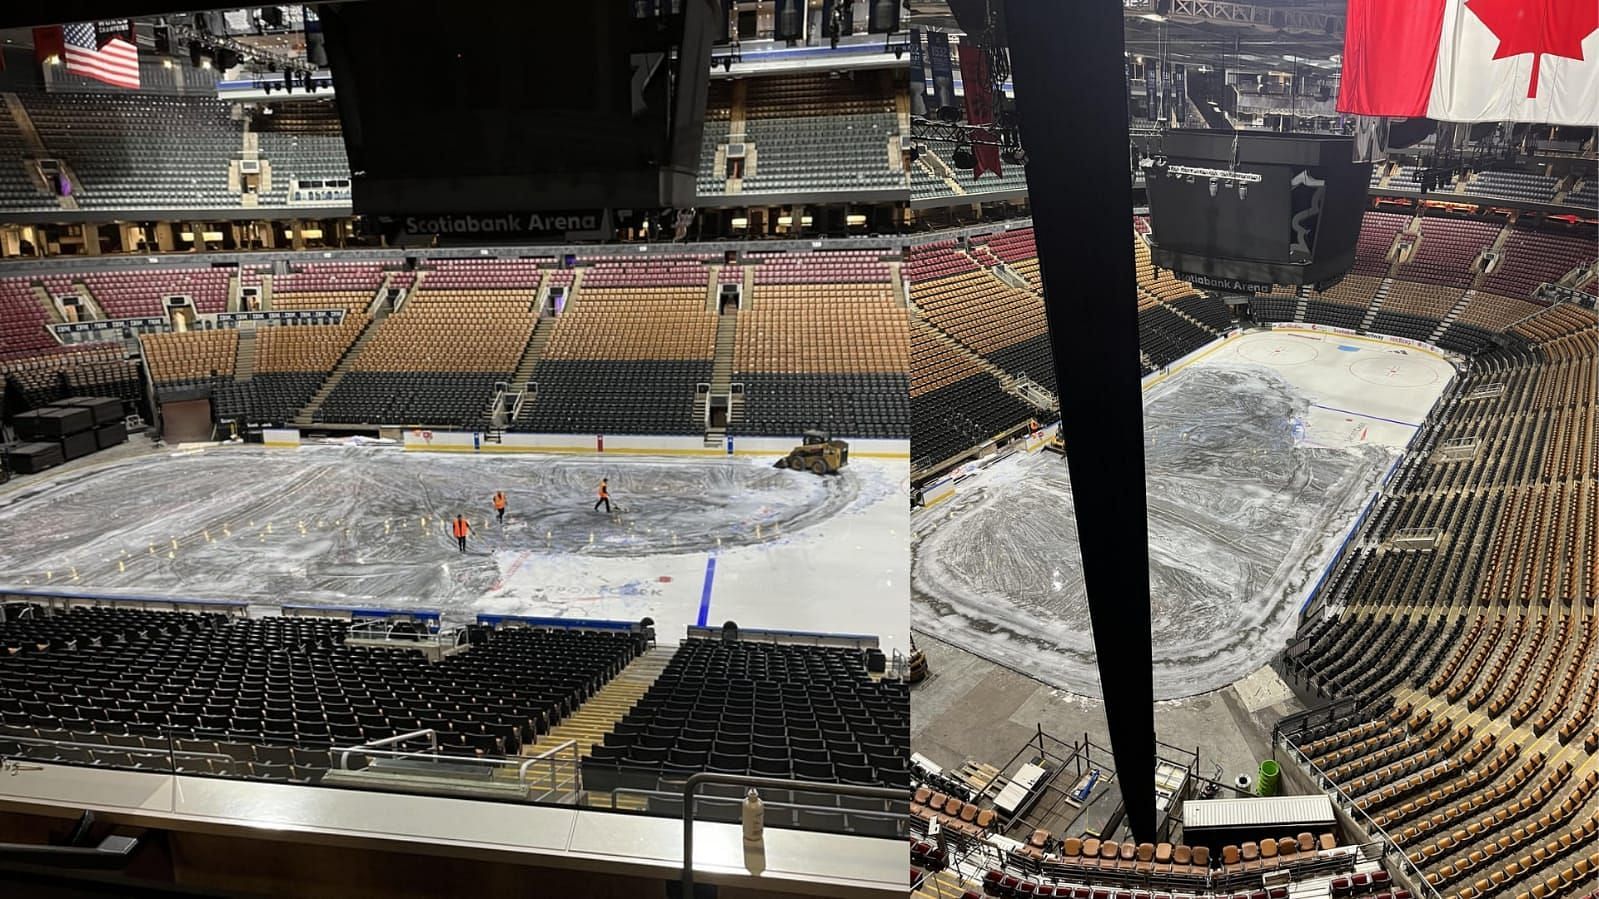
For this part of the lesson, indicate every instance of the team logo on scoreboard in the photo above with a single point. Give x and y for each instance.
(1308, 193)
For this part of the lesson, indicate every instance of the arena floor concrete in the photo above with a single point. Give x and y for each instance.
(688, 541)
(972, 709)
(1261, 452)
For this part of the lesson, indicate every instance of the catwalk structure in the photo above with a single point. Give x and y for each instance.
(1261, 454)
(688, 541)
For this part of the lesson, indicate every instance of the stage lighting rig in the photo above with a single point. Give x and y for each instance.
(929, 131)
(224, 49)
(963, 157)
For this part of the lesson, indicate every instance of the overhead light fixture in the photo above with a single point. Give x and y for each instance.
(963, 158)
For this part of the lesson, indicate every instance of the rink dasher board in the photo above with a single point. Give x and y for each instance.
(621, 445)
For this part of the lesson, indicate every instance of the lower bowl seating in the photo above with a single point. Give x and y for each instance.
(614, 397)
(866, 405)
(453, 399)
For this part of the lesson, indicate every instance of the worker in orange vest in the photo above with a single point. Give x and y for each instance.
(605, 497)
(461, 529)
(499, 505)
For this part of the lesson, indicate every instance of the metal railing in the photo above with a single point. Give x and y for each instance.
(1389, 847)
(895, 817)
(552, 757)
(431, 734)
(383, 630)
(170, 753)
(695, 781)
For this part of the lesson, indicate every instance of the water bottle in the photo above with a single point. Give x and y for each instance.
(754, 818)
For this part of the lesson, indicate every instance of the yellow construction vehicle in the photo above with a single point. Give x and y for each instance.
(1056, 444)
(819, 453)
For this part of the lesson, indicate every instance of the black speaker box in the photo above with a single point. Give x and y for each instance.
(111, 435)
(76, 446)
(32, 458)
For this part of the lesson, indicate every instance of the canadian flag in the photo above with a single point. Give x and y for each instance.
(1473, 60)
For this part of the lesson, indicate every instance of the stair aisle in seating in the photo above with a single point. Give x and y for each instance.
(1299, 304)
(722, 374)
(597, 717)
(895, 272)
(1179, 311)
(1005, 378)
(86, 296)
(19, 116)
(713, 286)
(244, 358)
(1453, 314)
(530, 353)
(1376, 303)
(47, 304)
(535, 346)
(308, 414)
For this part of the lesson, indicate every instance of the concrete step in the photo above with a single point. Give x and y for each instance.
(244, 356)
(308, 414)
(590, 723)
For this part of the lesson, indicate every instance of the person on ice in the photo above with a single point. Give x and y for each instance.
(460, 529)
(499, 506)
(605, 497)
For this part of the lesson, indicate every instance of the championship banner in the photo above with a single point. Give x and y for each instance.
(1166, 91)
(1127, 81)
(979, 107)
(943, 69)
(1151, 91)
(1179, 81)
(918, 78)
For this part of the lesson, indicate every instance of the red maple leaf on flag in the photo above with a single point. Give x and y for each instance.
(1553, 27)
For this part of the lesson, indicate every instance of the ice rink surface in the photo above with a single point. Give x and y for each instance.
(1261, 452)
(689, 540)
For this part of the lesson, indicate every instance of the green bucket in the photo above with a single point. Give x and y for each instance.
(1266, 783)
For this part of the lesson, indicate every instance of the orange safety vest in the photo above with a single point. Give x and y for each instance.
(499, 501)
(460, 527)
(604, 493)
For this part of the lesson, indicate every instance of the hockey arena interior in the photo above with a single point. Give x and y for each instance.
(353, 553)
(1373, 539)
(514, 553)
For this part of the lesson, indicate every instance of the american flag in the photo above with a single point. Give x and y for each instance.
(115, 63)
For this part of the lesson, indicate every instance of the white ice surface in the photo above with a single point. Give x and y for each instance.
(1260, 455)
(368, 526)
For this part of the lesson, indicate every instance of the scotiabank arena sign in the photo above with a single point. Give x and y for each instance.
(511, 226)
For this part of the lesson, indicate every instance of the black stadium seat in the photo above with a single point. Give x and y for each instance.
(275, 694)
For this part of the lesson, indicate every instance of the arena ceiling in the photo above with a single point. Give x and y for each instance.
(28, 13)
(1263, 34)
